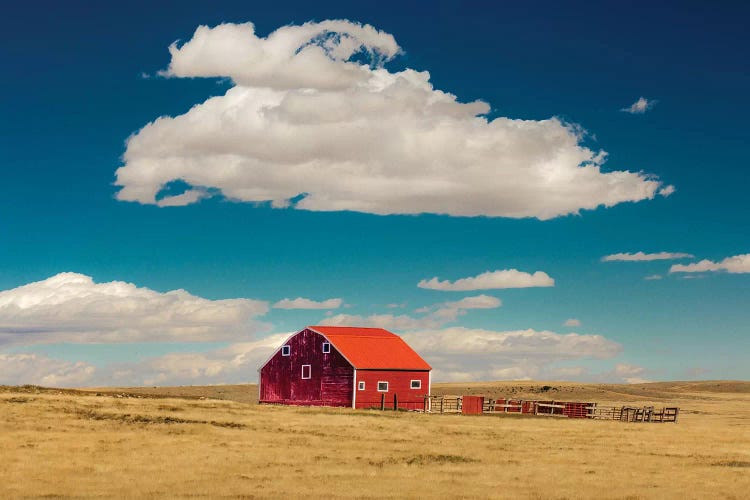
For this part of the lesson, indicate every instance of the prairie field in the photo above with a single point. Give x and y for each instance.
(216, 441)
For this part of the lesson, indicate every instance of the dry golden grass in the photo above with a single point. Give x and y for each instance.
(160, 444)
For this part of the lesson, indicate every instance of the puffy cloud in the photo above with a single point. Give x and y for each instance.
(640, 106)
(18, 369)
(70, 307)
(652, 277)
(450, 311)
(307, 124)
(460, 340)
(237, 363)
(506, 278)
(667, 190)
(314, 55)
(735, 265)
(459, 353)
(640, 256)
(439, 315)
(572, 322)
(302, 303)
(388, 321)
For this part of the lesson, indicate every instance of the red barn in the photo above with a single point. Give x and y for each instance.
(345, 366)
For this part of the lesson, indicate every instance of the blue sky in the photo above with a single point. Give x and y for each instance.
(81, 79)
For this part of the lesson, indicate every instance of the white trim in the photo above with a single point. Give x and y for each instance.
(383, 382)
(288, 350)
(418, 381)
(328, 344)
(309, 372)
(354, 391)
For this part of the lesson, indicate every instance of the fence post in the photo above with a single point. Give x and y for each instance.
(395, 401)
(382, 402)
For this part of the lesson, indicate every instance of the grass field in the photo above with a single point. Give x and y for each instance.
(215, 441)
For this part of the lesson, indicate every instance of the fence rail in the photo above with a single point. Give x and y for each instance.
(567, 409)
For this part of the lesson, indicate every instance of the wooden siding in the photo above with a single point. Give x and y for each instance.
(399, 383)
(331, 376)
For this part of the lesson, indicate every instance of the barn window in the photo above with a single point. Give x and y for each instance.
(326, 347)
(416, 384)
(286, 350)
(361, 386)
(382, 386)
(306, 371)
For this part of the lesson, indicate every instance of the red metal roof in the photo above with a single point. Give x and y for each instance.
(372, 348)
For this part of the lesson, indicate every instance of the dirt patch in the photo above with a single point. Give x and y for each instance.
(129, 418)
(438, 459)
(731, 463)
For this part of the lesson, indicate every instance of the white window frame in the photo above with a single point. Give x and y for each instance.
(418, 386)
(326, 347)
(309, 372)
(361, 385)
(386, 386)
(286, 349)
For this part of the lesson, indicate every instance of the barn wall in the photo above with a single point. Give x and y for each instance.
(398, 383)
(331, 378)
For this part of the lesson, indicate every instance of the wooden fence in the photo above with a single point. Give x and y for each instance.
(566, 409)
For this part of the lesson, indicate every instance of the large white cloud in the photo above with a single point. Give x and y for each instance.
(506, 278)
(736, 265)
(70, 307)
(641, 256)
(307, 119)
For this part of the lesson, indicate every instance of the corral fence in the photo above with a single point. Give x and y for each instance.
(476, 405)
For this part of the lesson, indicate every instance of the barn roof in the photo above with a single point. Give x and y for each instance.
(372, 348)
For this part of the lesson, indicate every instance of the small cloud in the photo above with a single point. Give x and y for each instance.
(667, 190)
(303, 303)
(640, 256)
(640, 106)
(652, 277)
(572, 322)
(739, 264)
(506, 278)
